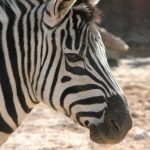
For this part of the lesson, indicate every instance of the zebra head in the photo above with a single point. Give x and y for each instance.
(80, 83)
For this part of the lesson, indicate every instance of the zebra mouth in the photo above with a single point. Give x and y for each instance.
(96, 136)
(101, 135)
(117, 123)
(111, 131)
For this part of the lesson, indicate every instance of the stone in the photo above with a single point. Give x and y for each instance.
(140, 134)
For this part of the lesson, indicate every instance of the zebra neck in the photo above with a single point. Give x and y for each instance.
(21, 52)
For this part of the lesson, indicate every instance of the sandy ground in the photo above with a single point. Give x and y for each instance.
(45, 129)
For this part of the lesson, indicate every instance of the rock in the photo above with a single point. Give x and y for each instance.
(147, 106)
(115, 46)
(148, 134)
(136, 114)
(140, 134)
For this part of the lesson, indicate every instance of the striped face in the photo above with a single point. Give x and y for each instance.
(82, 85)
(83, 81)
(51, 50)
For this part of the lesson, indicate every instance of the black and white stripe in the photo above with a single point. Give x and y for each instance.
(62, 65)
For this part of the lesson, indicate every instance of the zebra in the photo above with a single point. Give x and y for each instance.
(51, 51)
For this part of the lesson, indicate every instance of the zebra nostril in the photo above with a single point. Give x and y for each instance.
(113, 124)
(86, 123)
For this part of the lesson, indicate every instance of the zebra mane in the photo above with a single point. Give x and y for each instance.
(5, 3)
(90, 10)
(2, 2)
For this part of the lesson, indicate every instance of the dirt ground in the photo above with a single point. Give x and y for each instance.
(46, 129)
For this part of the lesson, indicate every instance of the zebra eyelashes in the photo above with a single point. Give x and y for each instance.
(72, 57)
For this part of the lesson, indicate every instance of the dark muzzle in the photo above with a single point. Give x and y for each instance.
(116, 124)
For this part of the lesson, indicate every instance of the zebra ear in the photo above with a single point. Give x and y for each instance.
(56, 10)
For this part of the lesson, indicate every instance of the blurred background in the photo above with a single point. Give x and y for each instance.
(130, 20)
(125, 30)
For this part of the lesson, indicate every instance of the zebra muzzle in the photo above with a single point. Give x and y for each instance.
(108, 132)
(116, 125)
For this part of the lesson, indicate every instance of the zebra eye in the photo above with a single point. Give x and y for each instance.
(72, 57)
